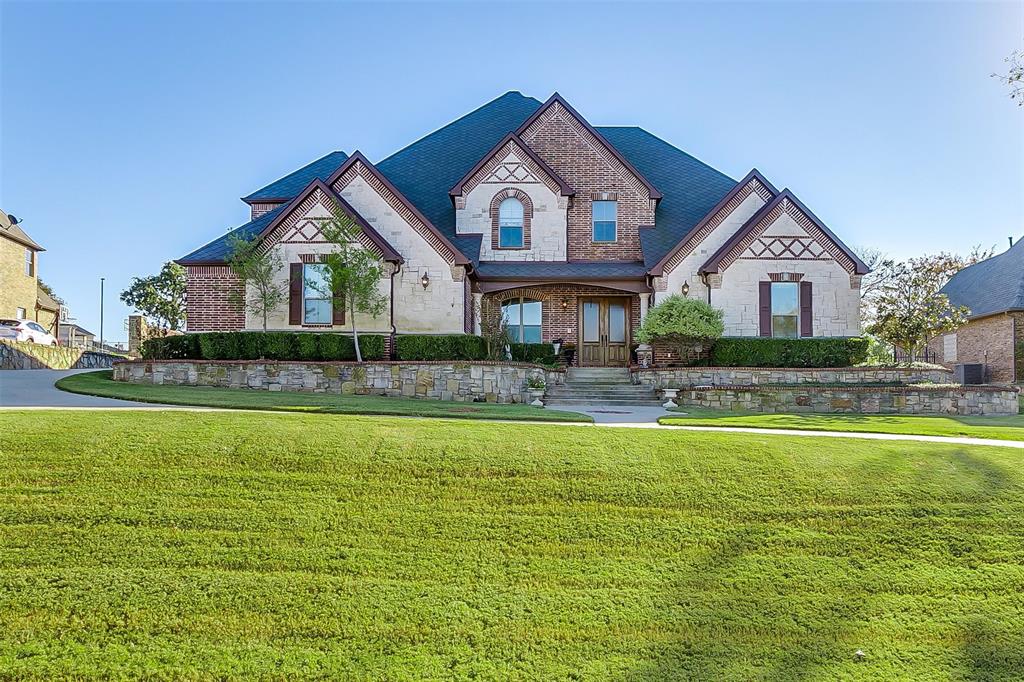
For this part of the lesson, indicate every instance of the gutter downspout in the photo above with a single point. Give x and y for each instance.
(704, 281)
(394, 329)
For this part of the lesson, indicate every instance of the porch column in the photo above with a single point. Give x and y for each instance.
(477, 311)
(643, 307)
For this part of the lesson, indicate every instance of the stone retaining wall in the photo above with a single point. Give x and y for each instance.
(971, 400)
(684, 377)
(460, 381)
(24, 355)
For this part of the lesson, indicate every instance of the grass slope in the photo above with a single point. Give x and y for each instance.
(101, 384)
(142, 544)
(999, 428)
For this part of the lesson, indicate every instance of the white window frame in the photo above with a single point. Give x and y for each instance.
(317, 296)
(594, 221)
(795, 316)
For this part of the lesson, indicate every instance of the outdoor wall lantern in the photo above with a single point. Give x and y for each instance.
(686, 288)
(565, 303)
(425, 280)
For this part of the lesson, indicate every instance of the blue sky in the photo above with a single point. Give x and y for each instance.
(129, 131)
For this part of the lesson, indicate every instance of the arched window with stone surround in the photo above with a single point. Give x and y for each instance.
(510, 224)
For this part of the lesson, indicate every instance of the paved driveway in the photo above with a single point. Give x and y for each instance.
(34, 388)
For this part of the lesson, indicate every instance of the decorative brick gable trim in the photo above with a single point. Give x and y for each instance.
(753, 183)
(358, 166)
(753, 229)
(292, 227)
(493, 168)
(524, 199)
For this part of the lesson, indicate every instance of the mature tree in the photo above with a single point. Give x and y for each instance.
(49, 290)
(1014, 76)
(159, 297)
(909, 310)
(260, 271)
(879, 269)
(353, 273)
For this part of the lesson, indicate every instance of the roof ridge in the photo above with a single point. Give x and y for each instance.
(454, 121)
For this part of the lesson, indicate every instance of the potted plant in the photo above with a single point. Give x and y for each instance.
(535, 386)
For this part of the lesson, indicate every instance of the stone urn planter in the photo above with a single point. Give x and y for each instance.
(536, 396)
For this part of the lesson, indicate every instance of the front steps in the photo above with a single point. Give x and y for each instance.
(585, 386)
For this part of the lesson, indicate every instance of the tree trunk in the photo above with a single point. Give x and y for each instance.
(355, 333)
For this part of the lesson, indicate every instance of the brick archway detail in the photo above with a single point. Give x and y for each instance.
(524, 199)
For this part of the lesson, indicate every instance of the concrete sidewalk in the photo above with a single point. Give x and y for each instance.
(35, 388)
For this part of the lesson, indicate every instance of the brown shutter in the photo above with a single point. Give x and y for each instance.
(338, 308)
(295, 294)
(806, 312)
(764, 303)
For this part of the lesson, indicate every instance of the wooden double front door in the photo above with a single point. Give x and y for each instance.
(604, 331)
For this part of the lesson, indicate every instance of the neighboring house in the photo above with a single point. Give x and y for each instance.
(993, 290)
(47, 311)
(74, 336)
(574, 230)
(19, 273)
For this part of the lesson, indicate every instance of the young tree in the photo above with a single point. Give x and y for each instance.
(910, 311)
(353, 273)
(159, 297)
(493, 329)
(260, 272)
(688, 325)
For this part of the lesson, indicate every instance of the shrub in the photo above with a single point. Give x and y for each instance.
(538, 353)
(262, 345)
(440, 347)
(678, 317)
(807, 352)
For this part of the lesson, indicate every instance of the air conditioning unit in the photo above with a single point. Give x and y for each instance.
(970, 374)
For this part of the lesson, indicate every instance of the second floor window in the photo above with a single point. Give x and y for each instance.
(510, 224)
(29, 262)
(605, 218)
(316, 295)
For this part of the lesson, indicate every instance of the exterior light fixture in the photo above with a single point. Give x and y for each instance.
(565, 303)
(425, 280)
(686, 288)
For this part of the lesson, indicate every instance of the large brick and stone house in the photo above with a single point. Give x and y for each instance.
(574, 230)
(993, 290)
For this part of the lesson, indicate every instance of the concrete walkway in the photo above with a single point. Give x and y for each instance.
(35, 388)
(616, 414)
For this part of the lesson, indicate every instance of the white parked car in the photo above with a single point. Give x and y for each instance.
(25, 330)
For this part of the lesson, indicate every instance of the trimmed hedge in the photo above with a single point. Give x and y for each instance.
(771, 352)
(440, 347)
(537, 353)
(263, 346)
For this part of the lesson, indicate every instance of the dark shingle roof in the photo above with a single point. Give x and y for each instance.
(991, 286)
(690, 187)
(427, 169)
(560, 270)
(220, 248)
(293, 183)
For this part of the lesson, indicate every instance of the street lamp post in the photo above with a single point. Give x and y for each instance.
(101, 312)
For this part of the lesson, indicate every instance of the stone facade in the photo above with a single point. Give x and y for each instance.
(684, 377)
(972, 400)
(988, 340)
(461, 382)
(23, 355)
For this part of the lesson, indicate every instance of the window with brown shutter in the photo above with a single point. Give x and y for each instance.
(295, 293)
(806, 312)
(764, 305)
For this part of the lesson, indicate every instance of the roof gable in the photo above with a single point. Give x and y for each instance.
(752, 183)
(286, 188)
(490, 163)
(318, 192)
(784, 204)
(554, 107)
(358, 165)
(994, 285)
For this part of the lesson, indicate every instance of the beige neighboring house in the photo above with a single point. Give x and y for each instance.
(20, 294)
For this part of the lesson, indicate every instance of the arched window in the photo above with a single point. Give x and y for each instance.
(510, 224)
(523, 318)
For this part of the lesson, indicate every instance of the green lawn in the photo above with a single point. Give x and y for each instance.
(1000, 428)
(246, 545)
(101, 384)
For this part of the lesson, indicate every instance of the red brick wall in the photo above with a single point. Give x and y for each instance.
(575, 157)
(989, 340)
(211, 299)
(559, 322)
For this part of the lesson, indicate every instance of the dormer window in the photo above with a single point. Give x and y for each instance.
(510, 224)
(605, 214)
